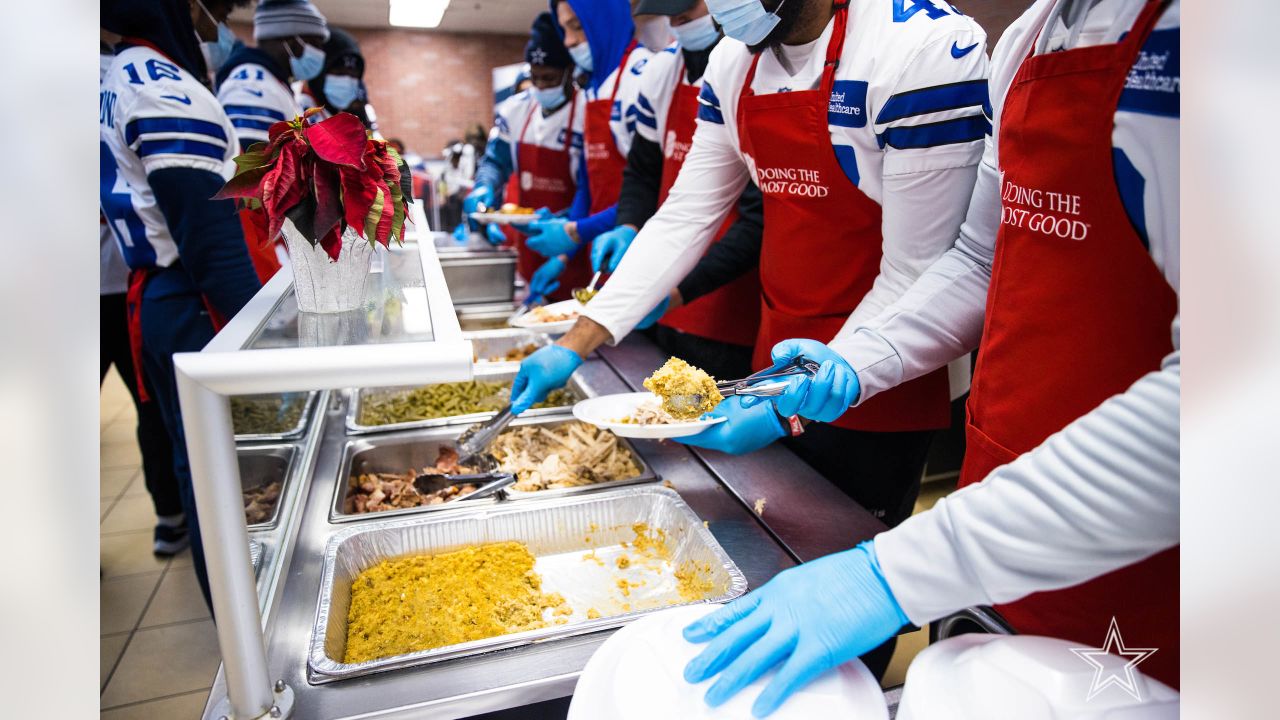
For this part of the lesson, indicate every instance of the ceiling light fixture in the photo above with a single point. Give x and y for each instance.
(417, 13)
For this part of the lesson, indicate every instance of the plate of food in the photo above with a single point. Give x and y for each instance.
(508, 214)
(555, 318)
(679, 397)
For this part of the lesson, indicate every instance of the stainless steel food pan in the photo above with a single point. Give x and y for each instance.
(566, 536)
(493, 373)
(307, 399)
(485, 317)
(263, 465)
(419, 448)
(487, 344)
(480, 276)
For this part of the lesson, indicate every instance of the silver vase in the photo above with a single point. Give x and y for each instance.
(323, 285)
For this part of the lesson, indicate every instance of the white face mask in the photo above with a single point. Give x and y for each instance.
(653, 31)
(698, 34)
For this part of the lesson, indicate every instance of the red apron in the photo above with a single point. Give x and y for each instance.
(821, 249)
(1076, 313)
(731, 314)
(546, 180)
(261, 252)
(604, 163)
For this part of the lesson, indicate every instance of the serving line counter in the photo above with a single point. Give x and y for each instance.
(409, 334)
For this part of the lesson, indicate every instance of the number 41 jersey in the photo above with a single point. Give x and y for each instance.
(153, 115)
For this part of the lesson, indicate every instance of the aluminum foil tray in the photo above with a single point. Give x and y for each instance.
(496, 343)
(262, 465)
(562, 534)
(491, 373)
(308, 401)
(419, 448)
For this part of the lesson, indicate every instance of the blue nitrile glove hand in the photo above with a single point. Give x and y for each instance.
(549, 238)
(608, 248)
(462, 232)
(746, 430)
(540, 373)
(479, 194)
(810, 618)
(544, 282)
(654, 315)
(823, 397)
(494, 234)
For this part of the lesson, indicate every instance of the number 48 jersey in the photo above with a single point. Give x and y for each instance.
(153, 115)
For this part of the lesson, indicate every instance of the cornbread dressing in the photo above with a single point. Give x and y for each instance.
(678, 378)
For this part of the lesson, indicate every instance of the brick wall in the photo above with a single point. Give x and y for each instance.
(427, 87)
(993, 15)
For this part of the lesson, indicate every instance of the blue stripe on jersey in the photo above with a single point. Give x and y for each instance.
(645, 105)
(251, 124)
(253, 110)
(180, 147)
(938, 98)
(129, 230)
(1154, 85)
(144, 126)
(1131, 184)
(848, 162)
(947, 132)
(648, 121)
(709, 105)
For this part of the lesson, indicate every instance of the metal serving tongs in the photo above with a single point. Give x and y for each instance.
(489, 482)
(584, 295)
(799, 365)
(473, 444)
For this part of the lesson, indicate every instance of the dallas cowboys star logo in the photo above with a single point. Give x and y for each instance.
(1106, 660)
(538, 57)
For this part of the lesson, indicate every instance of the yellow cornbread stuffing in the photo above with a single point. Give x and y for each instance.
(592, 613)
(693, 581)
(624, 562)
(429, 601)
(678, 377)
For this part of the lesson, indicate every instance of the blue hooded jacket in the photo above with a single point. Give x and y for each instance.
(609, 29)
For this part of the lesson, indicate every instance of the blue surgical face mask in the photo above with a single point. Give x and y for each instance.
(217, 52)
(745, 20)
(581, 54)
(698, 34)
(309, 64)
(341, 90)
(549, 98)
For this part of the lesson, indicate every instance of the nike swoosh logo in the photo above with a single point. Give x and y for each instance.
(958, 52)
(184, 99)
(255, 93)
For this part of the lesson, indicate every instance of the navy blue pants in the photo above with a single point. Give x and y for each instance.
(174, 320)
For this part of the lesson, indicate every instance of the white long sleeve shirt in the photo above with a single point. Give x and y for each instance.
(1102, 493)
(899, 81)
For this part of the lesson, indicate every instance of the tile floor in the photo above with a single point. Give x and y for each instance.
(158, 650)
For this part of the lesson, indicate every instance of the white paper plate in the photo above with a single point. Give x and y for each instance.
(604, 411)
(504, 218)
(529, 322)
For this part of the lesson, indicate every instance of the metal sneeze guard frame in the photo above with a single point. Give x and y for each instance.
(205, 382)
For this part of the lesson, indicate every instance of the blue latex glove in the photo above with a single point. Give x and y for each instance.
(540, 373)
(608, 248)
(544, 282)
(654, 315)
(810, 618)
(494, 234)
(548, 237)
(462, 232)
(746, 430)
(824, 397)
(479, 194)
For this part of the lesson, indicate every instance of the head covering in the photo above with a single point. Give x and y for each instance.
(342, 52)
(609, 29)
(165, 24)
(663, 7)
(546, 46)
(276, 19)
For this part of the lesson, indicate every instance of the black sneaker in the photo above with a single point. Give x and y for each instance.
(170, 540)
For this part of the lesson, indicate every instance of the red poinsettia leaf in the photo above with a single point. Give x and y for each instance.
(328, 197)
(340, 139)
(332, 243)
(303, 217)
(375, 214)
(244, 185)
(357, 196)
(277, 129)
(282, 188)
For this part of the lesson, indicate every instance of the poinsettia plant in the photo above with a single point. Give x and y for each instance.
(324, 177)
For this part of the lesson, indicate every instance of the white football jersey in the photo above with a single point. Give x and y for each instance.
(549, 131)
(662, 75)
(255, 100)
(152, 115)
(622, 120)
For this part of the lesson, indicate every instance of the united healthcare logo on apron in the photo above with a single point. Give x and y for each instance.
(848, 104)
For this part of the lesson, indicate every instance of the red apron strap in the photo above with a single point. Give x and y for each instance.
(1143, 26)
(528, 119)
(133, 308)
(622, 68)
